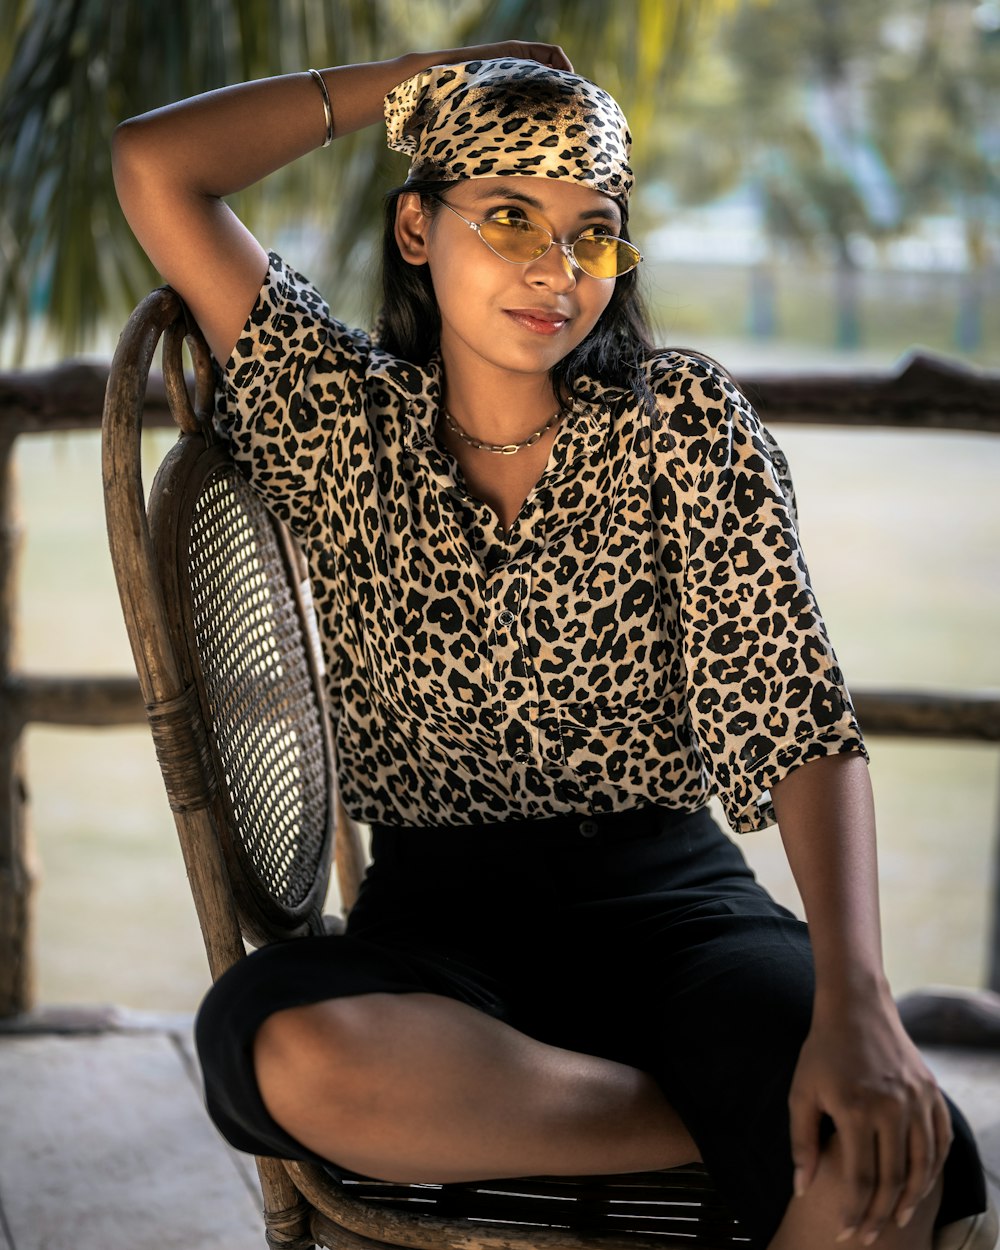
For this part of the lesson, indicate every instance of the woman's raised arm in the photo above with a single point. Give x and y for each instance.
(174, 166)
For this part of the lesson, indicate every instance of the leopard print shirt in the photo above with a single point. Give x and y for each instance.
(645, 633)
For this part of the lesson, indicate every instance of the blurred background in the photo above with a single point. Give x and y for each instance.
(818, 191)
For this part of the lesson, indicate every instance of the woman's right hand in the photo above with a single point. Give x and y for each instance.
(544, 53)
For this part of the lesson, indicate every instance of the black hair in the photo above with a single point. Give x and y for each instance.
(409, 323)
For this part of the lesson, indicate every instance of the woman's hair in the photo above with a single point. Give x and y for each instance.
(409, 323)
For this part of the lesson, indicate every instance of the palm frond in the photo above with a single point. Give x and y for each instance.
(74, 69)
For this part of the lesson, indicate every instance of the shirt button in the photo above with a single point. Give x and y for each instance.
(505, 619)
(522, 757)
(589, 828)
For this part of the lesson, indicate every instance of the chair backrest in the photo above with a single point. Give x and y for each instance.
(240, 616)
(221, 624)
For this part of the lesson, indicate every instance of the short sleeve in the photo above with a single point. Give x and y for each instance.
(294, 374)
(764, 690)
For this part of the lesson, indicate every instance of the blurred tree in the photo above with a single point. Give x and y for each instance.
(847, 124)
(937, 112)
(74, 68)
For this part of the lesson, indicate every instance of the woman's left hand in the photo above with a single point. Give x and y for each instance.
(860, 1068)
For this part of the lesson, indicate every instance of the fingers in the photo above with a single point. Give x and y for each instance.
(804, 1125)
(891, 1164)
(921, 1176)
(893, 1126)
(883, 1188)
(859, 1155)
(929, 1142)
(544, 53)
(944, 1133)
(925, 1162)
(558, 59)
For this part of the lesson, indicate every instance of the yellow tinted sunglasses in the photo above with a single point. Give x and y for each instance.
(521, 241)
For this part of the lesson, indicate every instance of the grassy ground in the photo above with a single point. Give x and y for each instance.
(903, 538)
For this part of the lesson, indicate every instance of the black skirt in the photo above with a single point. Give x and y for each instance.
(641, 937)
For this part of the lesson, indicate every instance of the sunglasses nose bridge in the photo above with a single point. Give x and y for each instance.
(568, 252)
(562, 246)
(567, 264)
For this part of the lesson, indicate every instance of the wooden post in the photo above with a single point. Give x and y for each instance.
(17, 873)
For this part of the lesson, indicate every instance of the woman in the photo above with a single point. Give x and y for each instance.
(562, 602)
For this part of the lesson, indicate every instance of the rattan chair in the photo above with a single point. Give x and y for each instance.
(218, 612)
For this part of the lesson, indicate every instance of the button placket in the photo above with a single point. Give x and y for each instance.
(512, 671)
(503, 649)
(525, 669)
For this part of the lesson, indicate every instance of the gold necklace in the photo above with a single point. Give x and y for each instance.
(507, 449)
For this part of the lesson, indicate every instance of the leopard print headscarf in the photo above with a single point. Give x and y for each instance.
(486, 119)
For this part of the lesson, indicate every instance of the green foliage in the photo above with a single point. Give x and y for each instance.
(847, 119)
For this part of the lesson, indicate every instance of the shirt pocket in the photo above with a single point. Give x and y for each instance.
(625, 747)
(620, 717)
(380, 666)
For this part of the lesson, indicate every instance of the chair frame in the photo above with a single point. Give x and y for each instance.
(304, 1205)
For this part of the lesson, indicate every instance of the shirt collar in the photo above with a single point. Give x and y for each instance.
(418, 386)
(586, 427)
(584, 431)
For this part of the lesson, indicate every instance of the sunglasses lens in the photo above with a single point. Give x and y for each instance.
(515, 239)
(605, 257)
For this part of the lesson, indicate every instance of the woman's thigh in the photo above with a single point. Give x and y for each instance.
(649, 944)
(716, 1008)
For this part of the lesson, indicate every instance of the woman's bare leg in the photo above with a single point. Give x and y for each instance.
(418, 1087)
(816, 1220)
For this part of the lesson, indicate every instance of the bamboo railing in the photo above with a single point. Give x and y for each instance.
(926, 393)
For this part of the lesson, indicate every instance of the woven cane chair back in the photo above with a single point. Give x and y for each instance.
(240, 611)
(217, 611)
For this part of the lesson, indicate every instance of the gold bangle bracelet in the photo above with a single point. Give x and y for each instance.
(327, 106)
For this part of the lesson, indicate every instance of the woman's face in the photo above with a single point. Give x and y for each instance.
(516, 318)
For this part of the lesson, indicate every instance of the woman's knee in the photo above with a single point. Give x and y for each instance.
(320, 1053)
